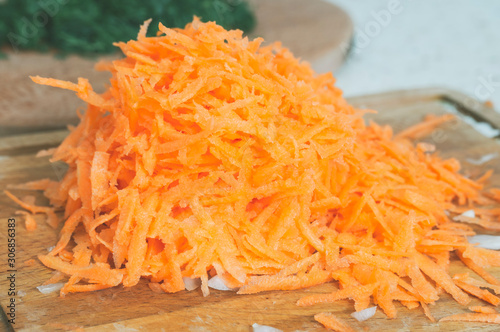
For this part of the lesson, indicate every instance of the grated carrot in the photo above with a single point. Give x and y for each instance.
(464, 277)
(29, 262)
(66, 327)
(473, 317)
(333, 323)
(430, 123)
(346, 293)
(484, 310)
(427, 312)
(52, 219)
(486, 224)
(495, 194)
(29, 221)
(474, 266)
(478, 292)
(210, 154)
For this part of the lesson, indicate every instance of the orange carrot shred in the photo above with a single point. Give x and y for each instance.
(66, 327)
(29, 262)
(52, 219)
(56, 277)
(464, 277)
(29, 222)
(427, 312)
(333, 323)
(478, 269)
(345, 293)
(441, 278)
(496, 194)
(478, 292)
(30, 207)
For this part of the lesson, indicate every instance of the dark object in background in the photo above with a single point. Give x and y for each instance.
(315, 30)
(92, 26)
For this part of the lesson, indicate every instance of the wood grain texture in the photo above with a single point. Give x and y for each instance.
(313, 29)
(141, 309)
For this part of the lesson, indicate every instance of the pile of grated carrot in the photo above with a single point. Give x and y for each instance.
(211, 154)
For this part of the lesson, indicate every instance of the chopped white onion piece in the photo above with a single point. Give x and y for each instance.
(49, 249)
(191, 284)
(468, 213)
(217, 283)
(21, 293)
(364, 314)
(46, 289)
(486, 241)
(264, 328)
(483, 159)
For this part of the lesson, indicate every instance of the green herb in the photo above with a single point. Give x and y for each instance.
(90, 27)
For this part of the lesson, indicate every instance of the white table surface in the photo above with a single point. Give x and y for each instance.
(423, 43)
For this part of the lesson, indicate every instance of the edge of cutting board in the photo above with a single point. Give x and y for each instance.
(464, 103)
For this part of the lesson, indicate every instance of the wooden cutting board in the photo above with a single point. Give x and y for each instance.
(140, 309)
(314, 30)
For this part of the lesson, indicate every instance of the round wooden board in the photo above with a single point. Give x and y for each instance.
(314, 30)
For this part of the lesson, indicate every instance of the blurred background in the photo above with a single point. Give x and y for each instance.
(427, 43)
(371, 45)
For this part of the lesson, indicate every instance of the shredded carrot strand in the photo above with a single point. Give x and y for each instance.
(29, 222)
(426, 127)
(477, 268)
(478, 292)
(29, 262)
(427, 312)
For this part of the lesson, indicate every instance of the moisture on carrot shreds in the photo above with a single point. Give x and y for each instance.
(211, 154)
